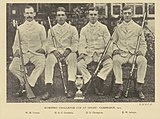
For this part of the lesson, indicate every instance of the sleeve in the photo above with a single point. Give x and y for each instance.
(115, 39)
(106, 39)
(74, 43)
(43, 38)
(82, 42)
(16, 43)
(143, 45)
(106, 35)
(50, 42)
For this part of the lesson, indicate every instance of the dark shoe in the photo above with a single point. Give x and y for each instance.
(46, 96)
(48, 92)
(139, 90)
(71, 89)
(98, 92)
(83, 89)
(98, 86)
(118, 95)
(141, 95)
(21, 91)
(70, 94)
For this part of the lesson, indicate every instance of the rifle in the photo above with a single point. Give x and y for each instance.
(98, 65)
(29, 91)
(134, 58)
(59, 62)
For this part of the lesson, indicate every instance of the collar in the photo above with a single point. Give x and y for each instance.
(61, 25)
(29, 23)
(125, 23)
(93, 25)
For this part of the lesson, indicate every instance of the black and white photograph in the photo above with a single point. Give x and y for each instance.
(79, 59)
(80, 52)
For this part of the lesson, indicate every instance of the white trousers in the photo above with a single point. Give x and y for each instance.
(37, 60)
(51, 60)
(103, 73)
(117, 67)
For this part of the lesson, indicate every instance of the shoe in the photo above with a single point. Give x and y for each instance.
(139, 91)
(70, 94)
(98, 86)
(48, 92)
(46, 96)
(98, 92)
(141, 95)
(71, 89)
(83, 89)
(118, 95)
(20, 92)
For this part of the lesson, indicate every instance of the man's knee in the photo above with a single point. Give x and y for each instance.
(81, 64)
(108, 63)
(141, 60)
(72, 57)
(116, 60)
(51, 60)
(41, 63)
(11, 68)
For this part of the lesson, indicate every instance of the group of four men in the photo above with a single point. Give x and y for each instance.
(63, 42)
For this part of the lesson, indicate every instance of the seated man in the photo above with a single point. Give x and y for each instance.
(33, 38)
(62, 46)
(93, 39)
(125, 40)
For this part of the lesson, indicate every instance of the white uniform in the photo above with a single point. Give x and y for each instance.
(93, 39)
(125, 38)
(66, 37)
(33, 37)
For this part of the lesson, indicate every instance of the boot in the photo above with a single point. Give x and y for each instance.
(84, 87)
(71, 89)
(47, 94)
(98, 86)
(21, 91)
(139, 91)
(120, 91)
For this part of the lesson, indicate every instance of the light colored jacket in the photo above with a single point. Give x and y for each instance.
(32, 36)
(66, 36)
(93, 39)
(125, 38)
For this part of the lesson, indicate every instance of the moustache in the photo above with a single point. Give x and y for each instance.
(29, 17)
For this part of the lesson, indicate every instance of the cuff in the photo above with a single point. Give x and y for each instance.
(69, 49)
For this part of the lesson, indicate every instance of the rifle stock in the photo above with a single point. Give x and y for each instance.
(29, 91)
(59, 62)
(134, 58)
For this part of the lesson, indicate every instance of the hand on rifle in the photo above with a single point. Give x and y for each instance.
(41, 51)
(106, 57)
(66, 52)
(57, 54)
(17, 53)
(64, 55)
(116, 52)
(81, 56)
(139, 53)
